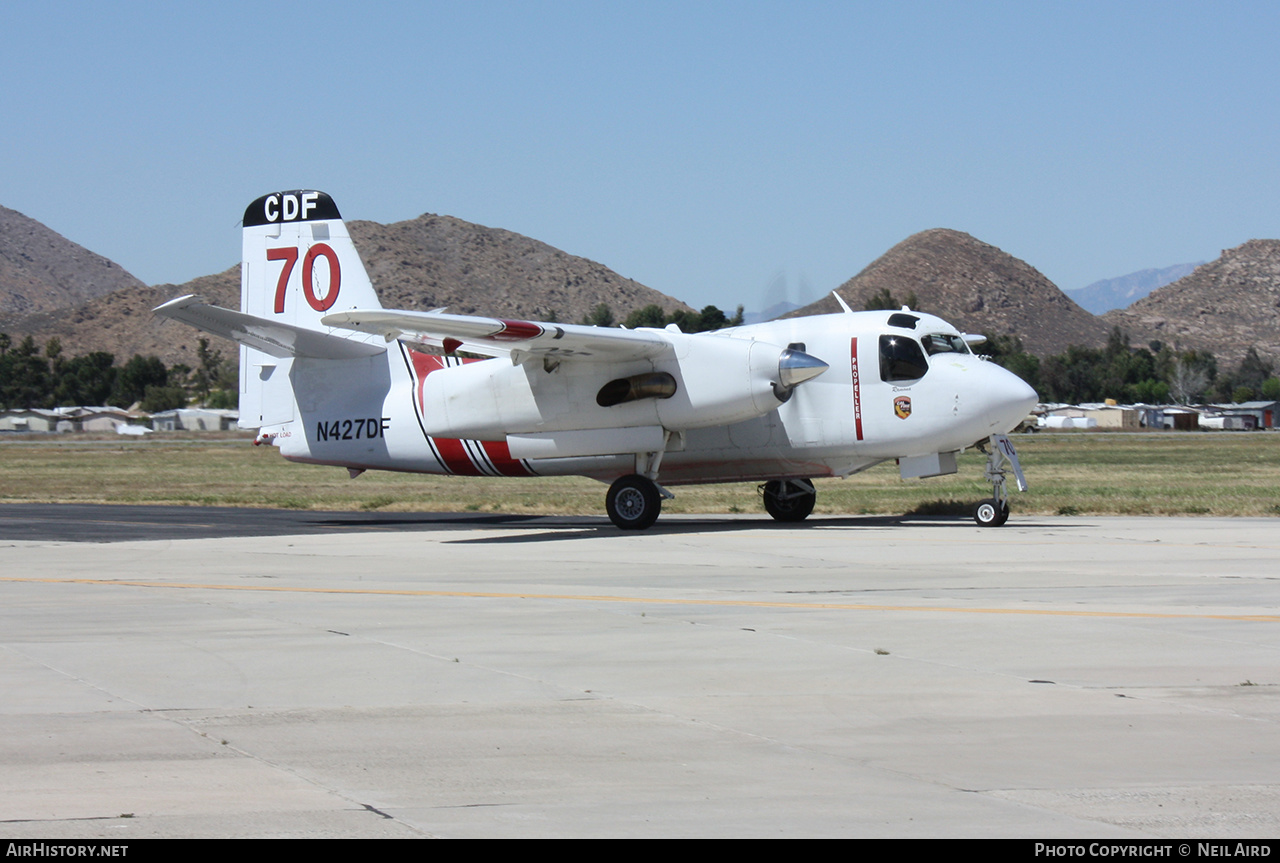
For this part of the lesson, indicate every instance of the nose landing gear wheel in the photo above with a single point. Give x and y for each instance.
(633, 502)
(991, 513)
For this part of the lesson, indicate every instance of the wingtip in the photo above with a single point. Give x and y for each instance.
(179, 303)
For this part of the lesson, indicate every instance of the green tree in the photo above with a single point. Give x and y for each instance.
(86, 380)
(1242, 394)
(163, 398)
(688, 322)
(711, 318)
(601, 316)
(212, 373)
(25, 378)
(885, 301)
(651, 315)
(1253, 370)
(223, 399)
(137, 375)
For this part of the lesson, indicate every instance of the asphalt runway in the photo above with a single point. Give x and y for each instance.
(218, 673)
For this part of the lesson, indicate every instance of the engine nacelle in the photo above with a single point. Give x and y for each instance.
(718, 380)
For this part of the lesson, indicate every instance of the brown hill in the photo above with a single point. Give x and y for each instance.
(975, 286)
(1225, 306)
(121, 323)
(419, 264)
(41, 270)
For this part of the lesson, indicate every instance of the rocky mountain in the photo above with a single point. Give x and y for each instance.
(975, 286)
(419, 264)
(41, 270)
(1224, 306)
(1106, 294)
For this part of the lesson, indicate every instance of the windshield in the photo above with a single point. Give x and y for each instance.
(944, 343)
(901, 359)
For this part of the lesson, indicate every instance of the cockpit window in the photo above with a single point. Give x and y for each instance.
(901, 359)
(944, 343)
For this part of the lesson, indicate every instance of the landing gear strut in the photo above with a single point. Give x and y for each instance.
(994, 511)
(789, 499)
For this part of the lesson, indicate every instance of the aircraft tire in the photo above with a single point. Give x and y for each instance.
(990, 513)
(633, 502)
(795, 508)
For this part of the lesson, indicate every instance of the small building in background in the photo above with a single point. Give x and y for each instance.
(1257, 415)
(66, 419)
(195, 419)
(29, 420)
(1179, 419)
(1115, 417)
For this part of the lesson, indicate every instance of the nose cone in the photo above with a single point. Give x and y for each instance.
(796, 367)
(1008, 400)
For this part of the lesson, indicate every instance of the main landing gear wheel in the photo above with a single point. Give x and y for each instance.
(991, 513)
(789, 499)
(633, 502)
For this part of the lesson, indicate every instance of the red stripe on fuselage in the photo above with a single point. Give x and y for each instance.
(452, 451)
(857, 387)
(500, 454)
(423, 365)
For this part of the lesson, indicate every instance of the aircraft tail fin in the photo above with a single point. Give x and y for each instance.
(299, 261)
(299, 265)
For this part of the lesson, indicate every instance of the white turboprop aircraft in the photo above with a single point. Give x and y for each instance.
(330, 377)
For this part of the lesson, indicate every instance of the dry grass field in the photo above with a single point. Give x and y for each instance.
(1070, 473)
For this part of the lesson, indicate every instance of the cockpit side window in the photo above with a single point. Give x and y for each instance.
(901, 359)
(944, 343)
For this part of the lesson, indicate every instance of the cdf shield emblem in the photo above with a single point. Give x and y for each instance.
(902, 407)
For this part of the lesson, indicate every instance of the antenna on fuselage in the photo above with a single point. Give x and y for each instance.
(843, 304)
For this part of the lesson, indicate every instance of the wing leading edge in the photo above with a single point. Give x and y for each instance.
(519, 340)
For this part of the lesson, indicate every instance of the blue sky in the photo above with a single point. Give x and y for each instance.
(714, 151)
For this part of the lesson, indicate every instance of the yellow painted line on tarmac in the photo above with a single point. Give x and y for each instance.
(643, 600)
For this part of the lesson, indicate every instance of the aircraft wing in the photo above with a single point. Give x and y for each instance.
(519, 340)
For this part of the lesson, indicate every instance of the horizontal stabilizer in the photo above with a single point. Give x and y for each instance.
(270, 337)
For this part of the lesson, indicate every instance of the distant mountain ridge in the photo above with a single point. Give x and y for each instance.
(41, 270)
(1106, 294)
